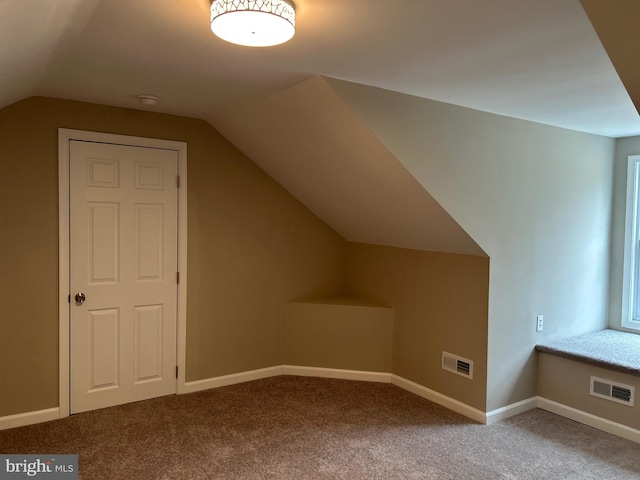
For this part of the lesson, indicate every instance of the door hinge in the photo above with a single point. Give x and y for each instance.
(178, 278)
(178, 181)
(176, 371)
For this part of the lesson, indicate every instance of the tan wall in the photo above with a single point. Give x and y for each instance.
(252, 249)
(343, 335)
(252, 246)
(536, 199)
(567, 382)
(440, 302)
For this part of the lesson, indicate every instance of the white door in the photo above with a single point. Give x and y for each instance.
(123, 264)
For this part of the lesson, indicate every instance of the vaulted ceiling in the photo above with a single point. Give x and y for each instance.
(312, 143)
(538, 60)
(617, 26)
(531, 59)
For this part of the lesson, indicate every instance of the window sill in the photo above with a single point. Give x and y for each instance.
(611, 349)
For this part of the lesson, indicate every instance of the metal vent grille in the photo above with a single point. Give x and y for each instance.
(615, 392)
(458, 365)
(621, 393)
(463, 367)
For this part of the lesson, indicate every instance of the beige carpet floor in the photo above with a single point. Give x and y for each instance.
(307, 428)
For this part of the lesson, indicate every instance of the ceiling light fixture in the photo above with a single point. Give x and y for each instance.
(254, 23)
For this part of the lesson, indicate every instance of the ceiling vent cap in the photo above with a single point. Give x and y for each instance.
(148, 100)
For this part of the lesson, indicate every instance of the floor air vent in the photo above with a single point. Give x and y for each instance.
(615, 392)
(458, 365)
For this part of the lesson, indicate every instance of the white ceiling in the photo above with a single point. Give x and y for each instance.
(539, 60)
(334, 164)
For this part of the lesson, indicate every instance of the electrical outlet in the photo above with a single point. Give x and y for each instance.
(539, 323)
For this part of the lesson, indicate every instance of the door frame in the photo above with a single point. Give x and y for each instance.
(65, 136)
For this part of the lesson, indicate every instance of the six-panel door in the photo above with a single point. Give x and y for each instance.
(123, 256)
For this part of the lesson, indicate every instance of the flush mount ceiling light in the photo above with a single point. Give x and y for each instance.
(253, 23)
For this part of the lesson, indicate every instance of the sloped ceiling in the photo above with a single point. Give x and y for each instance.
(530, 59)
(32, 34)
(617, 26)
(313, 144)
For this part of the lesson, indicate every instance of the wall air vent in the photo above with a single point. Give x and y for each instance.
(458, 365)
(613, 391)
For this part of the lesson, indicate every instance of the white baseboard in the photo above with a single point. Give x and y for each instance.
(29, 418)
(358, 375)
(216, 382)
(588, 419)
(440, 399)
(510, 410)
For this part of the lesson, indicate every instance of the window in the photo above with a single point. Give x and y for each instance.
(631, 280)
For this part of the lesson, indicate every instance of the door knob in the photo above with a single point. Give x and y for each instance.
(80, 298)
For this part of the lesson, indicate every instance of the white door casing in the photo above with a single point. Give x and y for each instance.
(124, 252)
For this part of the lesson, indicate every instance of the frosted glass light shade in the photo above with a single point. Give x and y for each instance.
(253, 23)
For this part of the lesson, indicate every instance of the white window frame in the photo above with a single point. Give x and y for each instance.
(631, 269)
